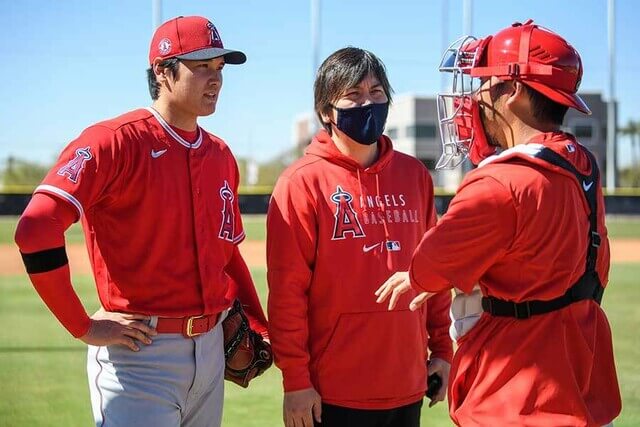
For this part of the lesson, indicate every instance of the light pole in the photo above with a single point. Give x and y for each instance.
(445, 39)
(315, 52)
(467, 17)
(156, 14)
(467, 30)
(611, 103)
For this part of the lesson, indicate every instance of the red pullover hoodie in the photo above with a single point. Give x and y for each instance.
(335, 233)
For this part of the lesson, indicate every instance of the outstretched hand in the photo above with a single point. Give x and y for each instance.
(108, 328)
(397, 285)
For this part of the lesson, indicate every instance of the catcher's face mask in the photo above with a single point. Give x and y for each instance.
(461, 130)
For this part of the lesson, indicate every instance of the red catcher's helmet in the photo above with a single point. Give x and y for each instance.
(535, 56)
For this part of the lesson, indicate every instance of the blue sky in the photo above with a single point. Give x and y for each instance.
(70, 63)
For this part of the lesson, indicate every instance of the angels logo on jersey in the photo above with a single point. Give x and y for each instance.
(226, 229)
(73, 168)
(346, 219)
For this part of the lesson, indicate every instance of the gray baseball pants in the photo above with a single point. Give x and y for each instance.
(175, 381)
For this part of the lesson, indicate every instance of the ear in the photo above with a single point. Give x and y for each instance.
(327, 117)
(160, 72)
(517, 93)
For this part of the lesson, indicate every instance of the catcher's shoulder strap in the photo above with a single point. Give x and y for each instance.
(588, 286)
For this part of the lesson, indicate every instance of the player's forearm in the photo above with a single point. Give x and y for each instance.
(243, 288)
(55, 289)
(40, 238)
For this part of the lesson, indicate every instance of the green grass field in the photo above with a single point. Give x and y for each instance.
(254, 227)
(42, 369)
(619, 228)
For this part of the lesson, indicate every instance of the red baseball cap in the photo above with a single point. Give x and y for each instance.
(192, 38)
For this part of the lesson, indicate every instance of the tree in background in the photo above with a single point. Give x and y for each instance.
(630, 176)
(22, 175)
(269, 171)
(242, 168)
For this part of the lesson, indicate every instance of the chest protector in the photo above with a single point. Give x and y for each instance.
(588, 285)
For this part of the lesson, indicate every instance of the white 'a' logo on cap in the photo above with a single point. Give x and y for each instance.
(164, 46)
(215, 36)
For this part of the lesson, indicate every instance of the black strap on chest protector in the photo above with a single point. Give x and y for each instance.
(588, 286)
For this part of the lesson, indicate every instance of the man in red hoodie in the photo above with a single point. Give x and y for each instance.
(341, 219)
(528, 226)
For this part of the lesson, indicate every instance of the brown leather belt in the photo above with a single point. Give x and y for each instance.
(189, 327)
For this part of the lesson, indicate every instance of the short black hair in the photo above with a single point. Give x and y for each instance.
(544, 109)
(154, 86)
(344, 69)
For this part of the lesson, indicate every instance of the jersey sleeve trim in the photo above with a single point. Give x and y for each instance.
(62, 194)
(239, 238)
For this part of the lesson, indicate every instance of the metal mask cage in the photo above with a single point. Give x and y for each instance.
(458, 60)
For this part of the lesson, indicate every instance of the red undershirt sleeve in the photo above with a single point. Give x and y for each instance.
(39, 234)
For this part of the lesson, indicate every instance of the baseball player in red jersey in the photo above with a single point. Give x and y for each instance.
(341, 219)
(157, 196)
(527, 226)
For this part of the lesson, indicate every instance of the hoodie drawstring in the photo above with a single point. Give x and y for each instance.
(384, 223)
(362, 200)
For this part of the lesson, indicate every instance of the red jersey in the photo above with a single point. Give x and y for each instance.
(518, 226)
(335, 233)
(160, 214)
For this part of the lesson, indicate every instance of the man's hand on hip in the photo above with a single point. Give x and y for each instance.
(108, 328)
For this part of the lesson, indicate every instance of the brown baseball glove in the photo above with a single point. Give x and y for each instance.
(246, 354)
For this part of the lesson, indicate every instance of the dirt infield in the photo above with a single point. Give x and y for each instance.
(622, 250)
(11, 264)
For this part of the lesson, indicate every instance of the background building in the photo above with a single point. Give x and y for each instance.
(591, 131)
(302, 130)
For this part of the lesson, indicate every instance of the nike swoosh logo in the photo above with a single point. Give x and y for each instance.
(156, 154)
(366, 248)
(586, 186)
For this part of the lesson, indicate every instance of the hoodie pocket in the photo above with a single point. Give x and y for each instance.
(374, 356)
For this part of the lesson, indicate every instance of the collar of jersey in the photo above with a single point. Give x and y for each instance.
(530, 150)
(173, 133)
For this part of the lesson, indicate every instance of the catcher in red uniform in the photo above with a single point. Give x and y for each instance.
(528, 227)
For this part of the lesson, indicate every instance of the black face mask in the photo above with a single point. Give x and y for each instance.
(363, 124)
